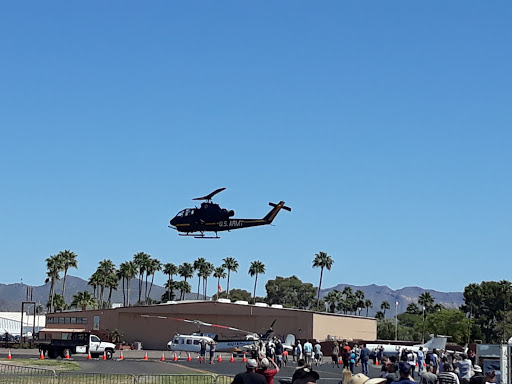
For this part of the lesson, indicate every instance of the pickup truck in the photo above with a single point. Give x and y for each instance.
(80, 342)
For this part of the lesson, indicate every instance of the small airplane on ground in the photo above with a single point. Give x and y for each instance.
(192, 342)
(435, 342)
(210, 217)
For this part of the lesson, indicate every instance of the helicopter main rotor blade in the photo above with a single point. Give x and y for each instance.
(209, 196)
(199, 322)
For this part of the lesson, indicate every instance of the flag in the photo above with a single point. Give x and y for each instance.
(219, 288)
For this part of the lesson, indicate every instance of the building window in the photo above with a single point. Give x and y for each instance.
(67, 320)
(96, 323)
(84, 320)
(61, 320)
(73, 320)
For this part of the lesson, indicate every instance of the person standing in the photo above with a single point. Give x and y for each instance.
(308, 352)
(428, 376)
(202, 351)
(421, 360)
(249, 376)
(267, 371)
(364, 356)
(335, 352)
(448, 376)
(212, 351)
(352, 361)
(317, 351)
(299, 350)
(478, 377)
(405, 374)
(465, 369)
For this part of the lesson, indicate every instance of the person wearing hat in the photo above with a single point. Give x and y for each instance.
(304, 375)
(359, 378)
(405, 373)
(478, 377)
(266, 371)
(250, 376)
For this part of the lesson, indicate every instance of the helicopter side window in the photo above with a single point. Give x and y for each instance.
(189, 341)
(182, 341)
(196, 342)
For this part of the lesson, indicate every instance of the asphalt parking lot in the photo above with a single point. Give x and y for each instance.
(134, 363)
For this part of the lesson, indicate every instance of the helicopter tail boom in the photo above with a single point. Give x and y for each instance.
(275, 210)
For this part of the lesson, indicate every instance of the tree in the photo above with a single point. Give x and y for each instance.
(231, 265)
(186, 270)
(154, 266)
(206, 272)
(451, 322)
(234, 295)
(83, 300)
(427, 301)
(68, 259)
(219, 273)
(199, 268)
(54, 265)
(170, 270)
(183, 287)
(141, 261)
(126, 272)
(332, 299)
(116, 336)
(59, 302)
(95, 281)
(379, 315)
(322, 260)
(290, 292)
(368, 304)
(359, 296)
(413, 309)
(106, 272)
(256, 268)
(384, 306)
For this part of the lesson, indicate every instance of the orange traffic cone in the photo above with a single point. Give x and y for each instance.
(244, 360)
(220, 358)
(232, 359)
(163, 357)
(199, 359)
(377, 362)
(189, 358)
(104, 355)
(9, 357)
(89, 357)
(145, 356)
(175, 358)
(41, 355)
(67, 355)
(121, 357)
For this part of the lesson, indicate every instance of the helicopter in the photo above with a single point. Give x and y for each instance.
(210, 217)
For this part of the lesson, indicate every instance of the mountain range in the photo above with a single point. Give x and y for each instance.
(11, 295)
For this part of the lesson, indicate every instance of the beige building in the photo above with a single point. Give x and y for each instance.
(162, 324)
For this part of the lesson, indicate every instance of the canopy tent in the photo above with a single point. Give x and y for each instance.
(10, 322)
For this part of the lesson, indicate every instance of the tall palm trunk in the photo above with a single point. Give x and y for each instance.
(320, 285)
(255, 282)
(227, 287)
(198, 286)
(128, 291)
(64, 283)
(150, 286)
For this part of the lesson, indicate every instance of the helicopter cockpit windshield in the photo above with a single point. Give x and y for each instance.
(185, 212)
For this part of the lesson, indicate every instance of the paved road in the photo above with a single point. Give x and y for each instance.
(134, 363)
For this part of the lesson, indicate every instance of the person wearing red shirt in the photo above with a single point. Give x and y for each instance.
(266, 371)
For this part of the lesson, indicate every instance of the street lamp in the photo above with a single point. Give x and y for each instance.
(396, 320)
(423, 331)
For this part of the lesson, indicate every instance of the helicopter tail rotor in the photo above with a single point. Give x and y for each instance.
(275, 210)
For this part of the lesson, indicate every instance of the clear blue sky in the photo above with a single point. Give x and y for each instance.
(385, 125)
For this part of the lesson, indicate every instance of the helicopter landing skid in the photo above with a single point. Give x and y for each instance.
(199, 236)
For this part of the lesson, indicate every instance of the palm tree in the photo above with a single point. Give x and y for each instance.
(231, 265)
(83, 299)
(368, 304)
(94, 281)
(384, 306)
(141, 261)
(154, 266)
(121, 275)
(186, 270)
(105, 269)
(68, 261)
(322, 260)
(206, 272)
(332, 298)
(170, 270)
(359, 295)
(54, 266)
(59, 302)
(112, 284)
(183, 287)
(256, 268)
(426, 300)
(198, 266)
(219, 273)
